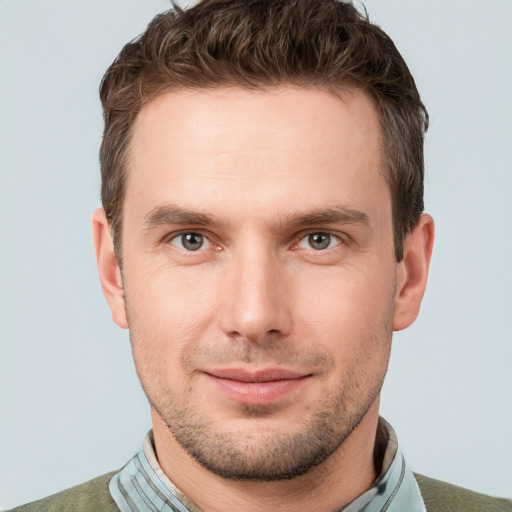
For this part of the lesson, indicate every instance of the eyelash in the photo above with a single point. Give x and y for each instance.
(336, 236)
(341, 240)
(175, 236)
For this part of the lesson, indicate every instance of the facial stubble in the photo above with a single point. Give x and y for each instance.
(257, 449)
(265, 454)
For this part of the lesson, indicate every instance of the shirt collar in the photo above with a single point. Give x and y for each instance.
(142, 485)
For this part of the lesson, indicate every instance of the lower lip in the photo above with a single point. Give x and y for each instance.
(257, 393)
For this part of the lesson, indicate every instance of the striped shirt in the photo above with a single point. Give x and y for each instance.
(143, 486)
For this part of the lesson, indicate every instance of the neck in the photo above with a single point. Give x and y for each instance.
(343, 476)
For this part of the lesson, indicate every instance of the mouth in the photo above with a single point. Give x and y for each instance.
(261, 387)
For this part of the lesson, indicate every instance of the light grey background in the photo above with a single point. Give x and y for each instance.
(71, 406)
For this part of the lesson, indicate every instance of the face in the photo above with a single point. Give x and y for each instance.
(259, 273)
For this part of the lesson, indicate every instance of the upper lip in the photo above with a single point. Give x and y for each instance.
(265, 375)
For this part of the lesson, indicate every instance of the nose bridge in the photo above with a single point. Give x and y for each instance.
(255, 302)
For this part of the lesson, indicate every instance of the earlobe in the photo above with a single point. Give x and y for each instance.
(108, 268)
(413, 272)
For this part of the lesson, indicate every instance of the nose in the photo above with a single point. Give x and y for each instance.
(256, 303)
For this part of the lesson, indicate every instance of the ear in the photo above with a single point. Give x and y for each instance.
(413, 272)
(108, 267)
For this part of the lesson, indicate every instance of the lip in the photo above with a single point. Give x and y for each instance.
(260, 387)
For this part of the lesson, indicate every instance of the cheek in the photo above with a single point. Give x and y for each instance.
(350, 314)
(164, 296)
(169, 312)
(346, 297)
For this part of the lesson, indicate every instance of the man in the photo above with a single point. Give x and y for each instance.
(262, 237)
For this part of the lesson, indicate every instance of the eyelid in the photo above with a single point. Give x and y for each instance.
(340, 237)
(208, 243)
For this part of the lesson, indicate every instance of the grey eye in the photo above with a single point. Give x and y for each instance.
(192, 241)
(319, 241)
(189, 241)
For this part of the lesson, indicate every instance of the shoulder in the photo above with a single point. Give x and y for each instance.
(444, 497)
(91, 496)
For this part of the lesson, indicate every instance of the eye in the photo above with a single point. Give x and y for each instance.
(319, 241)
(191, 241)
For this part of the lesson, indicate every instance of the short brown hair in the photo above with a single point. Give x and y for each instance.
(267, 43)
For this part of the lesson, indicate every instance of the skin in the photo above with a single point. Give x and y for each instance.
(258, 178)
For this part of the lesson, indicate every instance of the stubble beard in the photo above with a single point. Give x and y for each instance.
(267, 454)
(250, 451)
(257, 448)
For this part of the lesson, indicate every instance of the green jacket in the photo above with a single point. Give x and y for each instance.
(94, 496)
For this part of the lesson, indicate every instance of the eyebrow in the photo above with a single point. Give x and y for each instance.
(336, 215)
(171, 214)
(175, 215)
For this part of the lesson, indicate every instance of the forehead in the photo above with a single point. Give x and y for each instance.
(237, 145)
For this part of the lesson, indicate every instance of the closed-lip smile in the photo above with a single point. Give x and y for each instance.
(256, 387)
